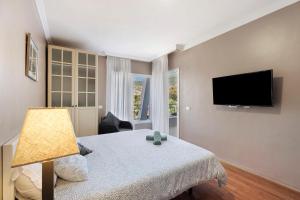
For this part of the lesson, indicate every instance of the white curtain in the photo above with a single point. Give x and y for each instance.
(119, 87)
(160, 95)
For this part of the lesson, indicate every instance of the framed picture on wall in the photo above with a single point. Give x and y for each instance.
(32, 57)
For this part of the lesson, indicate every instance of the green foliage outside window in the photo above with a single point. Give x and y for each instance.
(173, 96)
(137, 98)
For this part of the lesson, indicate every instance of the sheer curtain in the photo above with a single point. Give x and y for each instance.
(160, 95)
(119, 87)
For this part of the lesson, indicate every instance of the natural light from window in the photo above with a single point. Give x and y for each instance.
(173, 94)
(141, 97)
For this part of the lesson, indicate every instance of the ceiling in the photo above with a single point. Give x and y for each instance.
(145, 29)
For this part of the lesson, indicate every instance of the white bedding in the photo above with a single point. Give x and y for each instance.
(126, 166)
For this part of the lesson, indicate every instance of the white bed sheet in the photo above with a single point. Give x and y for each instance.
(125, 166)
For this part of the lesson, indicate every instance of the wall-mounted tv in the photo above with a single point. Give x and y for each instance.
(250, 89)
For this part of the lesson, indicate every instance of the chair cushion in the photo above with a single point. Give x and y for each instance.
(111, 120)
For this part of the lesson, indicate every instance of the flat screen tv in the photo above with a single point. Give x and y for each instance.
(250, 89)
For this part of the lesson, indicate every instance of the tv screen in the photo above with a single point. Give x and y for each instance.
(251, 89)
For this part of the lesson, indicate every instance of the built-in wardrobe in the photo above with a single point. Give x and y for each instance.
(73, 84)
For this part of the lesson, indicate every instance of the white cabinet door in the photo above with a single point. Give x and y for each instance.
(61, 84)
(87, 93)
(73, 84)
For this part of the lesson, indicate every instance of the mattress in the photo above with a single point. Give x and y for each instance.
(125, 166)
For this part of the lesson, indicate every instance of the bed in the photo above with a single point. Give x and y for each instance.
(125, 166)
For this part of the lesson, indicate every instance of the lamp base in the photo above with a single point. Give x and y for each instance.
(47, 180)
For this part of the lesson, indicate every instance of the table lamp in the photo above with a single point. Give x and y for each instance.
(47, 134)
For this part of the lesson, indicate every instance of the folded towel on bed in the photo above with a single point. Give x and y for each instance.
(151, 137)
(157, 137)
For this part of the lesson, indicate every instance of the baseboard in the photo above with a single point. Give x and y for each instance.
(252, 172)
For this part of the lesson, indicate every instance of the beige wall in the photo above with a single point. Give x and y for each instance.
(17, 92)
(137, 67)
(265, 141)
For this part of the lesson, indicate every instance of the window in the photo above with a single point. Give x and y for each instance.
(173, 84)
(141, 97)
(173, 78)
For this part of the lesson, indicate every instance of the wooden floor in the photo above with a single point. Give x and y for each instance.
(241, 186)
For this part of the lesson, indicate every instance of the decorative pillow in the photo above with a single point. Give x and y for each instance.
(72, 168)
(115, 120)
(111, 120)
(84, 150)
(28, 181)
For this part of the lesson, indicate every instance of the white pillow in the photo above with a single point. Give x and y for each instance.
(28, 181)
(72, 168)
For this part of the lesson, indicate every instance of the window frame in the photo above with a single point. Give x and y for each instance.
(173, 72)
(177, 72)
(139, 121)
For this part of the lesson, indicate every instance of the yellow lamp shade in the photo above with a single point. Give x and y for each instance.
(47, 134)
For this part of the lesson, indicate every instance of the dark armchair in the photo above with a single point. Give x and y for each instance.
(111, 124)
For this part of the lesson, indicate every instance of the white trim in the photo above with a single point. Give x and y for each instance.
(143, 59)
(40, 5)
(178, 101)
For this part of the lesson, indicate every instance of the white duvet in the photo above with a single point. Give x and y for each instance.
(126, 166)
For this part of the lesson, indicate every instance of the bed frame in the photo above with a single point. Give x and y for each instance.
(8, 152)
